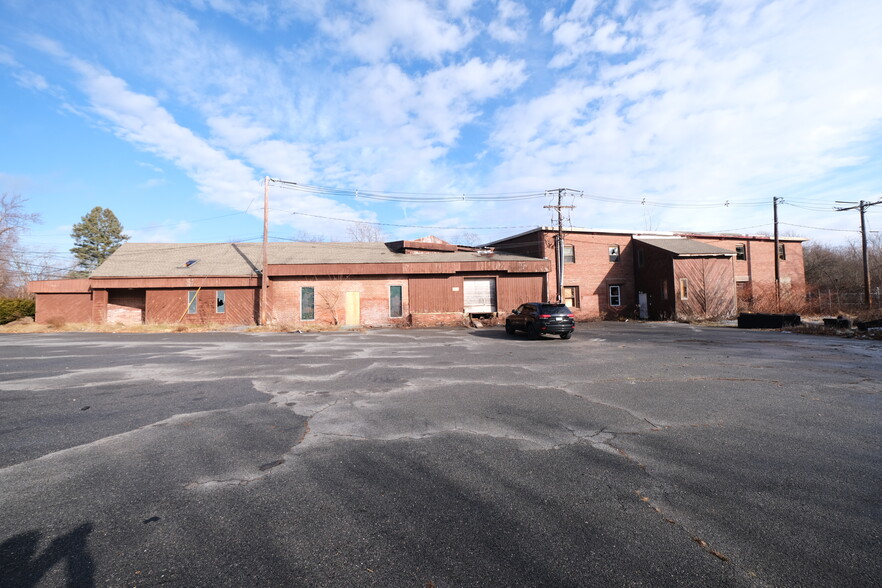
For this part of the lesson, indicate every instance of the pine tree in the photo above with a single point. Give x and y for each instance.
(96, 236)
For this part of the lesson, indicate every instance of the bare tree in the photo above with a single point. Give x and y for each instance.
(365, 233)
(467, 238)
(13, 221)
(330, 294)
(305, 237)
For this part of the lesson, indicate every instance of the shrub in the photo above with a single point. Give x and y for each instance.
(12, 309)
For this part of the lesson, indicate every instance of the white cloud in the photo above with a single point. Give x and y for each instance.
(410, 28)
(739, 99)
(734, 104)
(510, 24)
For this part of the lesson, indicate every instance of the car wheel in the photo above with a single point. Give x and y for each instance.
(566, 335)
(509, 328)
(533, 331)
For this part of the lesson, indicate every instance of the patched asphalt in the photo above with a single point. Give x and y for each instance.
(633, 454)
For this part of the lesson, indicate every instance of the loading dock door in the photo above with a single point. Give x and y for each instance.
(479, 295)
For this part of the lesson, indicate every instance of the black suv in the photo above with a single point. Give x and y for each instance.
(538, 318)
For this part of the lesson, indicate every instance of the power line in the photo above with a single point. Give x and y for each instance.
(821, 228)
(346, 220)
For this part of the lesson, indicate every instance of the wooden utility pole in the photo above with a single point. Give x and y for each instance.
(559, 241)
(863, 206)
(264, 278)
(775, 202)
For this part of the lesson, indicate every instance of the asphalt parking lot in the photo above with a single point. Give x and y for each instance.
(652, 454)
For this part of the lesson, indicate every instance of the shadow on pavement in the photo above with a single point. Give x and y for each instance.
(23, 568)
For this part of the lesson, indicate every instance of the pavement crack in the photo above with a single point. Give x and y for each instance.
(671, 521)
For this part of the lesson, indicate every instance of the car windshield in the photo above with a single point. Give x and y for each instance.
(554, 309)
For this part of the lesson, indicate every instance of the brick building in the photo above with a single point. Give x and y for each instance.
(425, 282)
(608, 274)
(422, 283)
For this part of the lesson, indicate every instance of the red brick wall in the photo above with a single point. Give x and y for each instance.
(656, 278)
(437, 319)
(514, 290)
(125, 307)
(170, 306)
(99, 306)
(710, 288)
(759, 267)
(594, 273)
(531, 245)
(330, 300)
(69, 308)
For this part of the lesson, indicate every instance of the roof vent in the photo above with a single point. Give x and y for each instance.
(190, 262)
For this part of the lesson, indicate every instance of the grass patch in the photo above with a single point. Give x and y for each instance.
(60, 326)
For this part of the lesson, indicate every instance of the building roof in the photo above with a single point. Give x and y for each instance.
(683, 247)
(640, 234)
(148, 260)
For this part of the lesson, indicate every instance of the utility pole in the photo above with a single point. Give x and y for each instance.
(775, 202)
(264, 281)
(863, 206)
(559, 241)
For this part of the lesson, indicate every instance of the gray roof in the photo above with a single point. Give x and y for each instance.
(143, 260)
(686, 247)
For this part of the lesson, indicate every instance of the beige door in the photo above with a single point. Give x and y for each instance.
(353, 309)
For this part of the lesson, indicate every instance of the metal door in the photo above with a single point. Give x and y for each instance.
(479, 295)
(643, 301)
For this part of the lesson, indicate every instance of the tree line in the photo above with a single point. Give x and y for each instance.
(98, 234)
(839, 269)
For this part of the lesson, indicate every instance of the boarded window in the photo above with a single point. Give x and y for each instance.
(740, 252)
(221, 302)
(191, 302)
(613, 252)
(571, 296)
(307, 303)
(781, 253)
(395, 310)
(615, 295)
(569, 253)
(684, 289)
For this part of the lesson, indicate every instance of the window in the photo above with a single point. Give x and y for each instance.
(781, 253)
(571, 296)
(684, 289)
(613, 252)
(569, 254)
(221, 302)
(740, 252)
(615, 295)
(395, 310)
(640, 259)
(191, 302)
(307, 303)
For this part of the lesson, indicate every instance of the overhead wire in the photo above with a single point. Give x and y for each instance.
(347, 220)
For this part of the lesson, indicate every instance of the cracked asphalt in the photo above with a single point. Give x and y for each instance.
(652, 454)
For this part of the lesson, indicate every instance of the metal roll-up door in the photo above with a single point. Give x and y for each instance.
(479, 295)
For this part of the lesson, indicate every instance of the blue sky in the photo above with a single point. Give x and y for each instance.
(661, 115)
